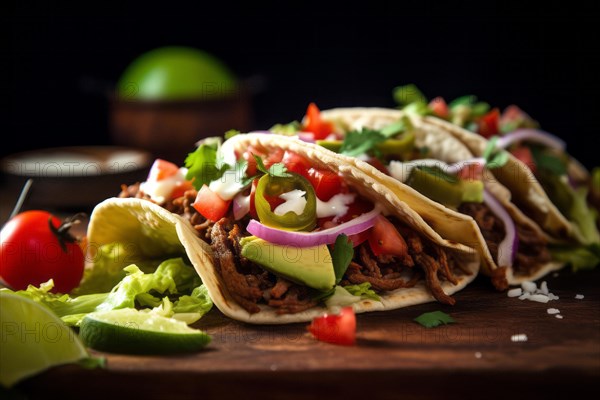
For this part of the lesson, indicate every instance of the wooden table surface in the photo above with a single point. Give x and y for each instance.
(394, 357)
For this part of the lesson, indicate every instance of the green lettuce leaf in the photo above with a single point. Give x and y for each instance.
(172, 276)
(109, 261)
(66, 307)
(341, 256)
(579, 258)
(287, 129)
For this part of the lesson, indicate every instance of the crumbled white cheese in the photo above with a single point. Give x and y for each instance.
(294, 202)
(530, 291)
(540, 298)
(515, 292)
(521, 337)
(553, 311)
(337, 206)
(579, 296)
(559, 316)
(477, 354)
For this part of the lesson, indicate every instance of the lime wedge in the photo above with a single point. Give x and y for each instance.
(33, 339)
(135, 332)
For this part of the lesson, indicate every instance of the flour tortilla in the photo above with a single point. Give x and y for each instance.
(153, 231)
(524, 186)
(449, 149)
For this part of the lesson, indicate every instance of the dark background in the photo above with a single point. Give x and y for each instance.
(61, 60)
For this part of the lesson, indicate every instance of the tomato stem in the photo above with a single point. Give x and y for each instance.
(62, 232)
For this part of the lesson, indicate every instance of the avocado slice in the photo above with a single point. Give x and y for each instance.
(310, 266)
(443, 188)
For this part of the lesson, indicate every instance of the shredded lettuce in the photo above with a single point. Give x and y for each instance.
(579, 258)
(172, 276)
(137, 289)
(109, 261)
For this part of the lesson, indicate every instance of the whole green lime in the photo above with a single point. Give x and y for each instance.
(176, 73)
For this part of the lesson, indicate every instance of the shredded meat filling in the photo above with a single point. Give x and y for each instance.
(532, 251)
(249, 284)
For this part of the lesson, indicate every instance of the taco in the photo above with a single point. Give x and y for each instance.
(546, 182)
(281, 231)
(513, 248)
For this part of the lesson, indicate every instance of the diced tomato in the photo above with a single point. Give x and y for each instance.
(472, 172)
(337, 329)
(513, 116)
(249, 157)
(321, 129)
(439, 107)
(326, 183)
(273, 157)
(296, 163)
(523, 154)
(488, 124)
(210, 205)
(385, 239)
(181, 188)
(161, 169)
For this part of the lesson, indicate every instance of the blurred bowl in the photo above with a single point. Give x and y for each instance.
(170, 97)
(73, 177)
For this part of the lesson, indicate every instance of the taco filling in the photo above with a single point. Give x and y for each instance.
(392, 144)
(288, 235)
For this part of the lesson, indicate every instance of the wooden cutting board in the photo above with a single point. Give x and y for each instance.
(394, 357)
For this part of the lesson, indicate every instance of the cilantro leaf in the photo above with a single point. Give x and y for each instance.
(260, 166)
(434, 318)
(408, 94)
(278, 170)
(468, 100)
(231, 133)
(547, 160)
(494, 156)
(287, 129)
(396, 128)
(341, 256)
(202, 165)
(360, 142)
(363, 290)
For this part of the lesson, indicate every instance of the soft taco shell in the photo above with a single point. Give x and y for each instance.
(525, 188)
(449, 149)
(153, 231)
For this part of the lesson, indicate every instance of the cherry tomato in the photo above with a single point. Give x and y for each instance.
(439, 107)
(488, 125)
(336, 329)
(210, 205)
(385, 239)
(320, 129)
(36, 247)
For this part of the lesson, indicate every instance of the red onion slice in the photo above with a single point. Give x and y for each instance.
(308, 137)
(241, 206)
(532, 135)
(507, 249)
(309, 239)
